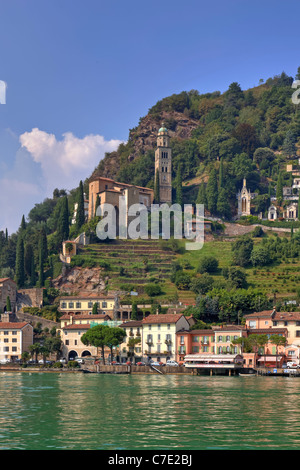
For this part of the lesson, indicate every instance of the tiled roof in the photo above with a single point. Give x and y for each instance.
(265, 313)
(82, 326)
(83, 316)
(130, 324)
(163, 318)
(196, 332)
(3, 279)
(13, 325)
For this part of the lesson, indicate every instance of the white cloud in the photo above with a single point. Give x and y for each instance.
(42, 164)
(65, 162)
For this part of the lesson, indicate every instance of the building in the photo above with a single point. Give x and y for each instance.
(159, 336)
(291, 211)
(244, 197)
(272, 322)
(225, 336)
(8, 288)
(71, 339)
(108, 191)
(163, 166)
(194, 342)
(272, 213)
(132, 352)
(15, 338)
(74, 305)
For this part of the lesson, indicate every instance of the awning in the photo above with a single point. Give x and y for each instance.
(269, 359)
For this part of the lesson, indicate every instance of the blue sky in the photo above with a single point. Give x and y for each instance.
(80, 74)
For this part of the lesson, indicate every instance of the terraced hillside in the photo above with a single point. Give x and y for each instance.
(131, 264)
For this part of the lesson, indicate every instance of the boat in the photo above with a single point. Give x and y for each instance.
(247, 374)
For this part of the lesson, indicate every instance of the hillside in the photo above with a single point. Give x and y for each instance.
(217, 140)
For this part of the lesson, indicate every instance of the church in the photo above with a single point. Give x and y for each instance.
(106, 190)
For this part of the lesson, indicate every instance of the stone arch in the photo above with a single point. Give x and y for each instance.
(72, 354)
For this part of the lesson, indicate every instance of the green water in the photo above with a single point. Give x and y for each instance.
(41, 411)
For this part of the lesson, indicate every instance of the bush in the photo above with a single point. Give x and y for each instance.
(208, 264)
(58, 365)
(73, 364)
(152, 289)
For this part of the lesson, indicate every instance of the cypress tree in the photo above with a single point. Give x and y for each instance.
(23, 223)
(28, 259)
(179, 185)
(221, 174)
(80, 218)
(279, 188)
(212, 192)
(134, 311)
(97, 204)
(156, 188)
(201, 197)
(43, 254)
(19, 269)
(63, 221)
(8, 304)
(223, 207)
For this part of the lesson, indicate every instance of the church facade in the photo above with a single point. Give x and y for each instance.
(244, 197)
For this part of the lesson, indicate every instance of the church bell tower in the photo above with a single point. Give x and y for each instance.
(163, 165)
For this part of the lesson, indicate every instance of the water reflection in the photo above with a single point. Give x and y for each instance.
(74, 411)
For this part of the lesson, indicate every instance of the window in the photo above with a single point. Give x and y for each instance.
(6, 349)
(169, 326)
(158, 348)
(78, 304)
(67, 342)
(181, 339)
(158, 327)
(14, 349)
(90, 304)
(220, 338)
(71, 304)
(195, 339)
(149, 327)
(205, 339)
(195, 349)
(205, 348)
(104, 304)
(275, 323)
(14, 332)
(14, 340)
(220, 350)
(6, 332)
(64, 305)
(227, 339)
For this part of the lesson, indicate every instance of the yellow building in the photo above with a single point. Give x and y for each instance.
(159, 336)
(84, 303)
(15, 338)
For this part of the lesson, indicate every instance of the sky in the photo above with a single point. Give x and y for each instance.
(80, 74)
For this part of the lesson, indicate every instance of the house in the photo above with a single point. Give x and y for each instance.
(133, 330)
(224, 337)
(71, 340)
(8, 288)
(84, 303)
(15, 338)
(271, 320)
(159, 336)
(194, 342)
(272, 213)
(291, 211)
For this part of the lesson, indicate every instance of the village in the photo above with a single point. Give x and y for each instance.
(266, 339)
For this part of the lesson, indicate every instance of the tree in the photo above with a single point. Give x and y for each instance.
(43, 254)
(95, 310)
(223, 206)
(289, 144)
(279, 188)
(131, 344)
(114, 337)
(134, 311)
(19, 268)
(235, 277)
(201, 197)
(156, 188)
(80, 216)
(34, 349)
(63, 221)
(212, 192)
(8, 304)
(278, 341)
(242, 249)
(202, 285)
(179, 185)
(96, 336)
(208, 264)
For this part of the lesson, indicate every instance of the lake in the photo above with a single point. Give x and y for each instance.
(53, 411)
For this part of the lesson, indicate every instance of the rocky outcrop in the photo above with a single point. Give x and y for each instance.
(81, 279)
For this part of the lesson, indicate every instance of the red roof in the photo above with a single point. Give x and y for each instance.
(7, 279)
(81, 316)
(82, 326)
(13, 325)
(163, 318)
